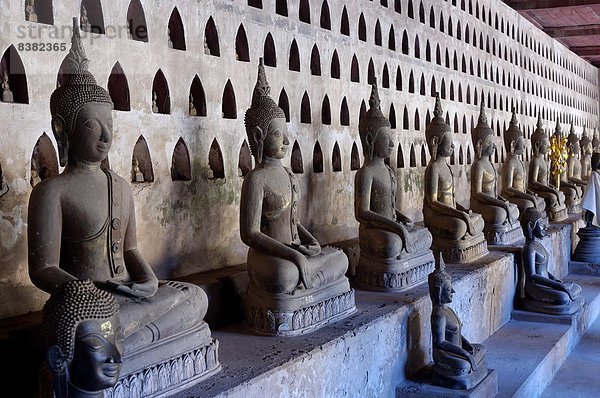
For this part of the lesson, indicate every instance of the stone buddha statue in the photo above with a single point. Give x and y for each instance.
(394, 253)
(295, 284)
(457, 231)
(514, 179)
(539, 176)
(596, 142)
(30, 14)
(7, 94)
(3, 184)
(586, 156)
(193, 111)
(501, 217)
(81, 225)
(154, 105)
(84, 21)
(85, 340)
(572, 184)
(539, 290)
(457, 363)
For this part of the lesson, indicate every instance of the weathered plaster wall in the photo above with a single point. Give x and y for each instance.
(187, 227)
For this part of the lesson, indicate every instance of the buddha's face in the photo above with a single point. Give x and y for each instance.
(488, 146)
(276, 142)
(97, 356)
(539, 229)
(519, 147)
(586, 149)
(383, 145)
(92, 135)
(446, 146)
(575, 148)
(543, 145)
(446, 293)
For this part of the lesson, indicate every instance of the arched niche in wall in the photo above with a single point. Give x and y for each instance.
(413, 158)
(180, 162)
(405, 123)
(378, 39)
(211, 39)
(197, 100)
(354, 70)
(315, 61)
(40, 11)
(118, 88)
(385, 80)
(296, 161)
(423, 156)
(241, 45)
(398, 79)
(354, 158)
(422, 85)
(136, 22)
(91, 17)
(244, 160)
(362, 28)
(404, 43)
(417, 120)
(281, 7)
(398, 6)
(215, 161)
(363, 110)
(469, 161)
(344, 113)
(371, 72)
(392, 116)
(400, 157)
(176, 32)
(44, 162)
(411, 83)
(317, 158)
(255, 3)
(336, 158)
(344, 24)
(229, 107)
(161, 99)
(326, 111)
(141, 162)
(305, 112)
(392, 39)
(284, 104)
(325, 16)
(461, 159)
(294, 61)
(335, 65)
(12, 70)
(269, 51)
(304, 11)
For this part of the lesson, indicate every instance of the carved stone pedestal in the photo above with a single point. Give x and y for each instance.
(574, 208)
(421, 386)
(395, 274)
(527, 316)
(461, 251)
(551, 309)
(168, 366)
(557, 213)
(505, 234)
(300, 312)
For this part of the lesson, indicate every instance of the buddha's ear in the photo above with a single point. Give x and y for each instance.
(259, 135)
(369, 138)
(513, 143)
(58, 128)
(58, 366)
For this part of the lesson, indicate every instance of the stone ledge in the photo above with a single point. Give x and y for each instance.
(418, 388)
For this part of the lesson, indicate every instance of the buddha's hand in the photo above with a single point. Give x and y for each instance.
(473, 362)
(303, 268)
(139, 289)
(310, 249)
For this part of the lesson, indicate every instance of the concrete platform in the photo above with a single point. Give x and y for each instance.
(583, 268)
(487, 388)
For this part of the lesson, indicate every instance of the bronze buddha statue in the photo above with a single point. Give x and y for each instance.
(586, 156)
(572, 184)
(81, 225)
(295, 284)
(394, 253)
(501, 217)
(457, 231)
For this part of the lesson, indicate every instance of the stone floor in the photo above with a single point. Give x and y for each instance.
(578, 377)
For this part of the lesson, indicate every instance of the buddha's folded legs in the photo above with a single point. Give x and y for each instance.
(492, 215)
(379, 243)
(551, 199)
(544, 294)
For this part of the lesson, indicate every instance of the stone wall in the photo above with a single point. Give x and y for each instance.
(191, 226)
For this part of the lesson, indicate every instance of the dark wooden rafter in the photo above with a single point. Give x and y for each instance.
(524, 5)
(586, 51)
(572, 31)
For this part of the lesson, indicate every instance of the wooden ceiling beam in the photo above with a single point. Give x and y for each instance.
(572, 31)
(586, 51)
(525, 5)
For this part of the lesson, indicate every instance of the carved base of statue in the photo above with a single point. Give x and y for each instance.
(574, 207)
(420, 386)
(7, 96)
(568, 308)
(393, 274)
(459, 378)
(461, 251)
(588, 248)
(556, 213)
(505, 234)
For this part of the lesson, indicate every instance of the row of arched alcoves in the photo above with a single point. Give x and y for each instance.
(42, 11)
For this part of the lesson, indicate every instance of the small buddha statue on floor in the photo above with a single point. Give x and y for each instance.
(539, 176)
(7, 95)
(193, 111)
(295, 284)
(138, 176)
(572, 184)
(586, 156)
(501, 217)
(85, 340)
(84, 21)
(538, 289)
(457, 231)
(457, 363)
(154, 105)
(30, 14)
(81, 225)
(394, 253)
(513, 171)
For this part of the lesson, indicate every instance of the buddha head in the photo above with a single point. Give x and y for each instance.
(81, 110)
(374, 130)
(533, 223)
(539, 139)
(266, 127)
(513, 136)
(440, 283)
(483, 136)
(439, 134)
(585, 143)
(573, 142)
(85, 338)
(596, 142)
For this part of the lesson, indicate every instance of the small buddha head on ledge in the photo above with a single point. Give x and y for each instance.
(513, 136)
(374, 129)
(440, 283)
(81, 109)
(533, 223)
(483, 136)
(438, 133)
(265, 122)
(85, 338)
(585, 143)
(539, 139)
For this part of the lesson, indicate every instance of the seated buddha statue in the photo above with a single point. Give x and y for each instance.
(571, 183)
(539, 176)
(586, 156)
(295, 284)
(501, 217)
(514, 179)
(457, 231)
(81, 225)
(457, 363)
(595, 141)
(85, 340)
(539, 290)
(394, 253)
